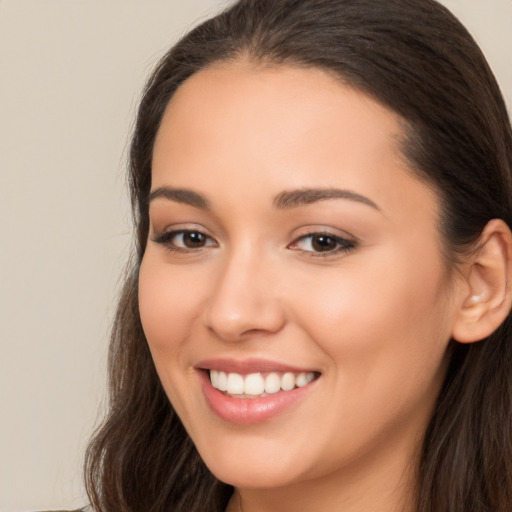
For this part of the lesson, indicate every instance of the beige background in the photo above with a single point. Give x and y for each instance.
(70, 75)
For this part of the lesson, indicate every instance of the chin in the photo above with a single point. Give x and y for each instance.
(254, 477)
(254, 470)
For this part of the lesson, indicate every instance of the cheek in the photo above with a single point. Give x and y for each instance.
(385, 329)
(385, 336)
(169, 303)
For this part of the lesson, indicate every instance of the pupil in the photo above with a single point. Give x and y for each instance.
(324, 243)
(193, 240)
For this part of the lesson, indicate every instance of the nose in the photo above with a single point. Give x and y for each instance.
(245, 301)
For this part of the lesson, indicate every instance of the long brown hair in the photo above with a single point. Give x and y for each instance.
(415, 58)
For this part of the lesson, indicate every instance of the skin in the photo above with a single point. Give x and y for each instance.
(374, 320)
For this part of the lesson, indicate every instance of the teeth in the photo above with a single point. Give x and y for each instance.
(288, 382)
(255, 384)
(222, 382)
(214, 378)
(304, 378)
(235, 385)
(272, 383)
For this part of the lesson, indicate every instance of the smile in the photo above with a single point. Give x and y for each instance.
(258, 384)
(253, 391)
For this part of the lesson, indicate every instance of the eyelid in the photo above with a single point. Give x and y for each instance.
(165, 236)
(346, 242)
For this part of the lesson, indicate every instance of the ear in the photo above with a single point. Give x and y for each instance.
(487, 296)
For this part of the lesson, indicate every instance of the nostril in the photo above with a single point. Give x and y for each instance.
(243, 324)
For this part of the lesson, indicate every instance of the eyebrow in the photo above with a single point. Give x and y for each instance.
(180, 195)
(305, 196)
(283, 201)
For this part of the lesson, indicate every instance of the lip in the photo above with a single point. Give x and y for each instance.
(249, 411)
(247, 366)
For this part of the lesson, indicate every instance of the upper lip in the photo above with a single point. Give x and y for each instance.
(247, 366)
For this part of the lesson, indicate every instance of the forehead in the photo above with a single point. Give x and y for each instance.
(275, 105)
(237, 124)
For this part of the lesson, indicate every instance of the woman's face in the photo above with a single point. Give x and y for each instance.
(290, 247)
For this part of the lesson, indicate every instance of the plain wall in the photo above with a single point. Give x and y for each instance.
(70, 75)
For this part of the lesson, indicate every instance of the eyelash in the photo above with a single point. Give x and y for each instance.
(168, 240)
(342, 245)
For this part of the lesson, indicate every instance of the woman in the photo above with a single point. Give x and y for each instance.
(317, 314)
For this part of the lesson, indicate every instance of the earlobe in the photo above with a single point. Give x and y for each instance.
(488, 275)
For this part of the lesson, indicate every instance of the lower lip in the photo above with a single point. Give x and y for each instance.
(249, 411)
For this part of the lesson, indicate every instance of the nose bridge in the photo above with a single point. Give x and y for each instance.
(243, 302)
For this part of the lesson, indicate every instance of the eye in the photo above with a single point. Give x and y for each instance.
(322, 244)
(185, 240)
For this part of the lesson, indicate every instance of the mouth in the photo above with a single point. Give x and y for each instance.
(258, 385)
(254, 391)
